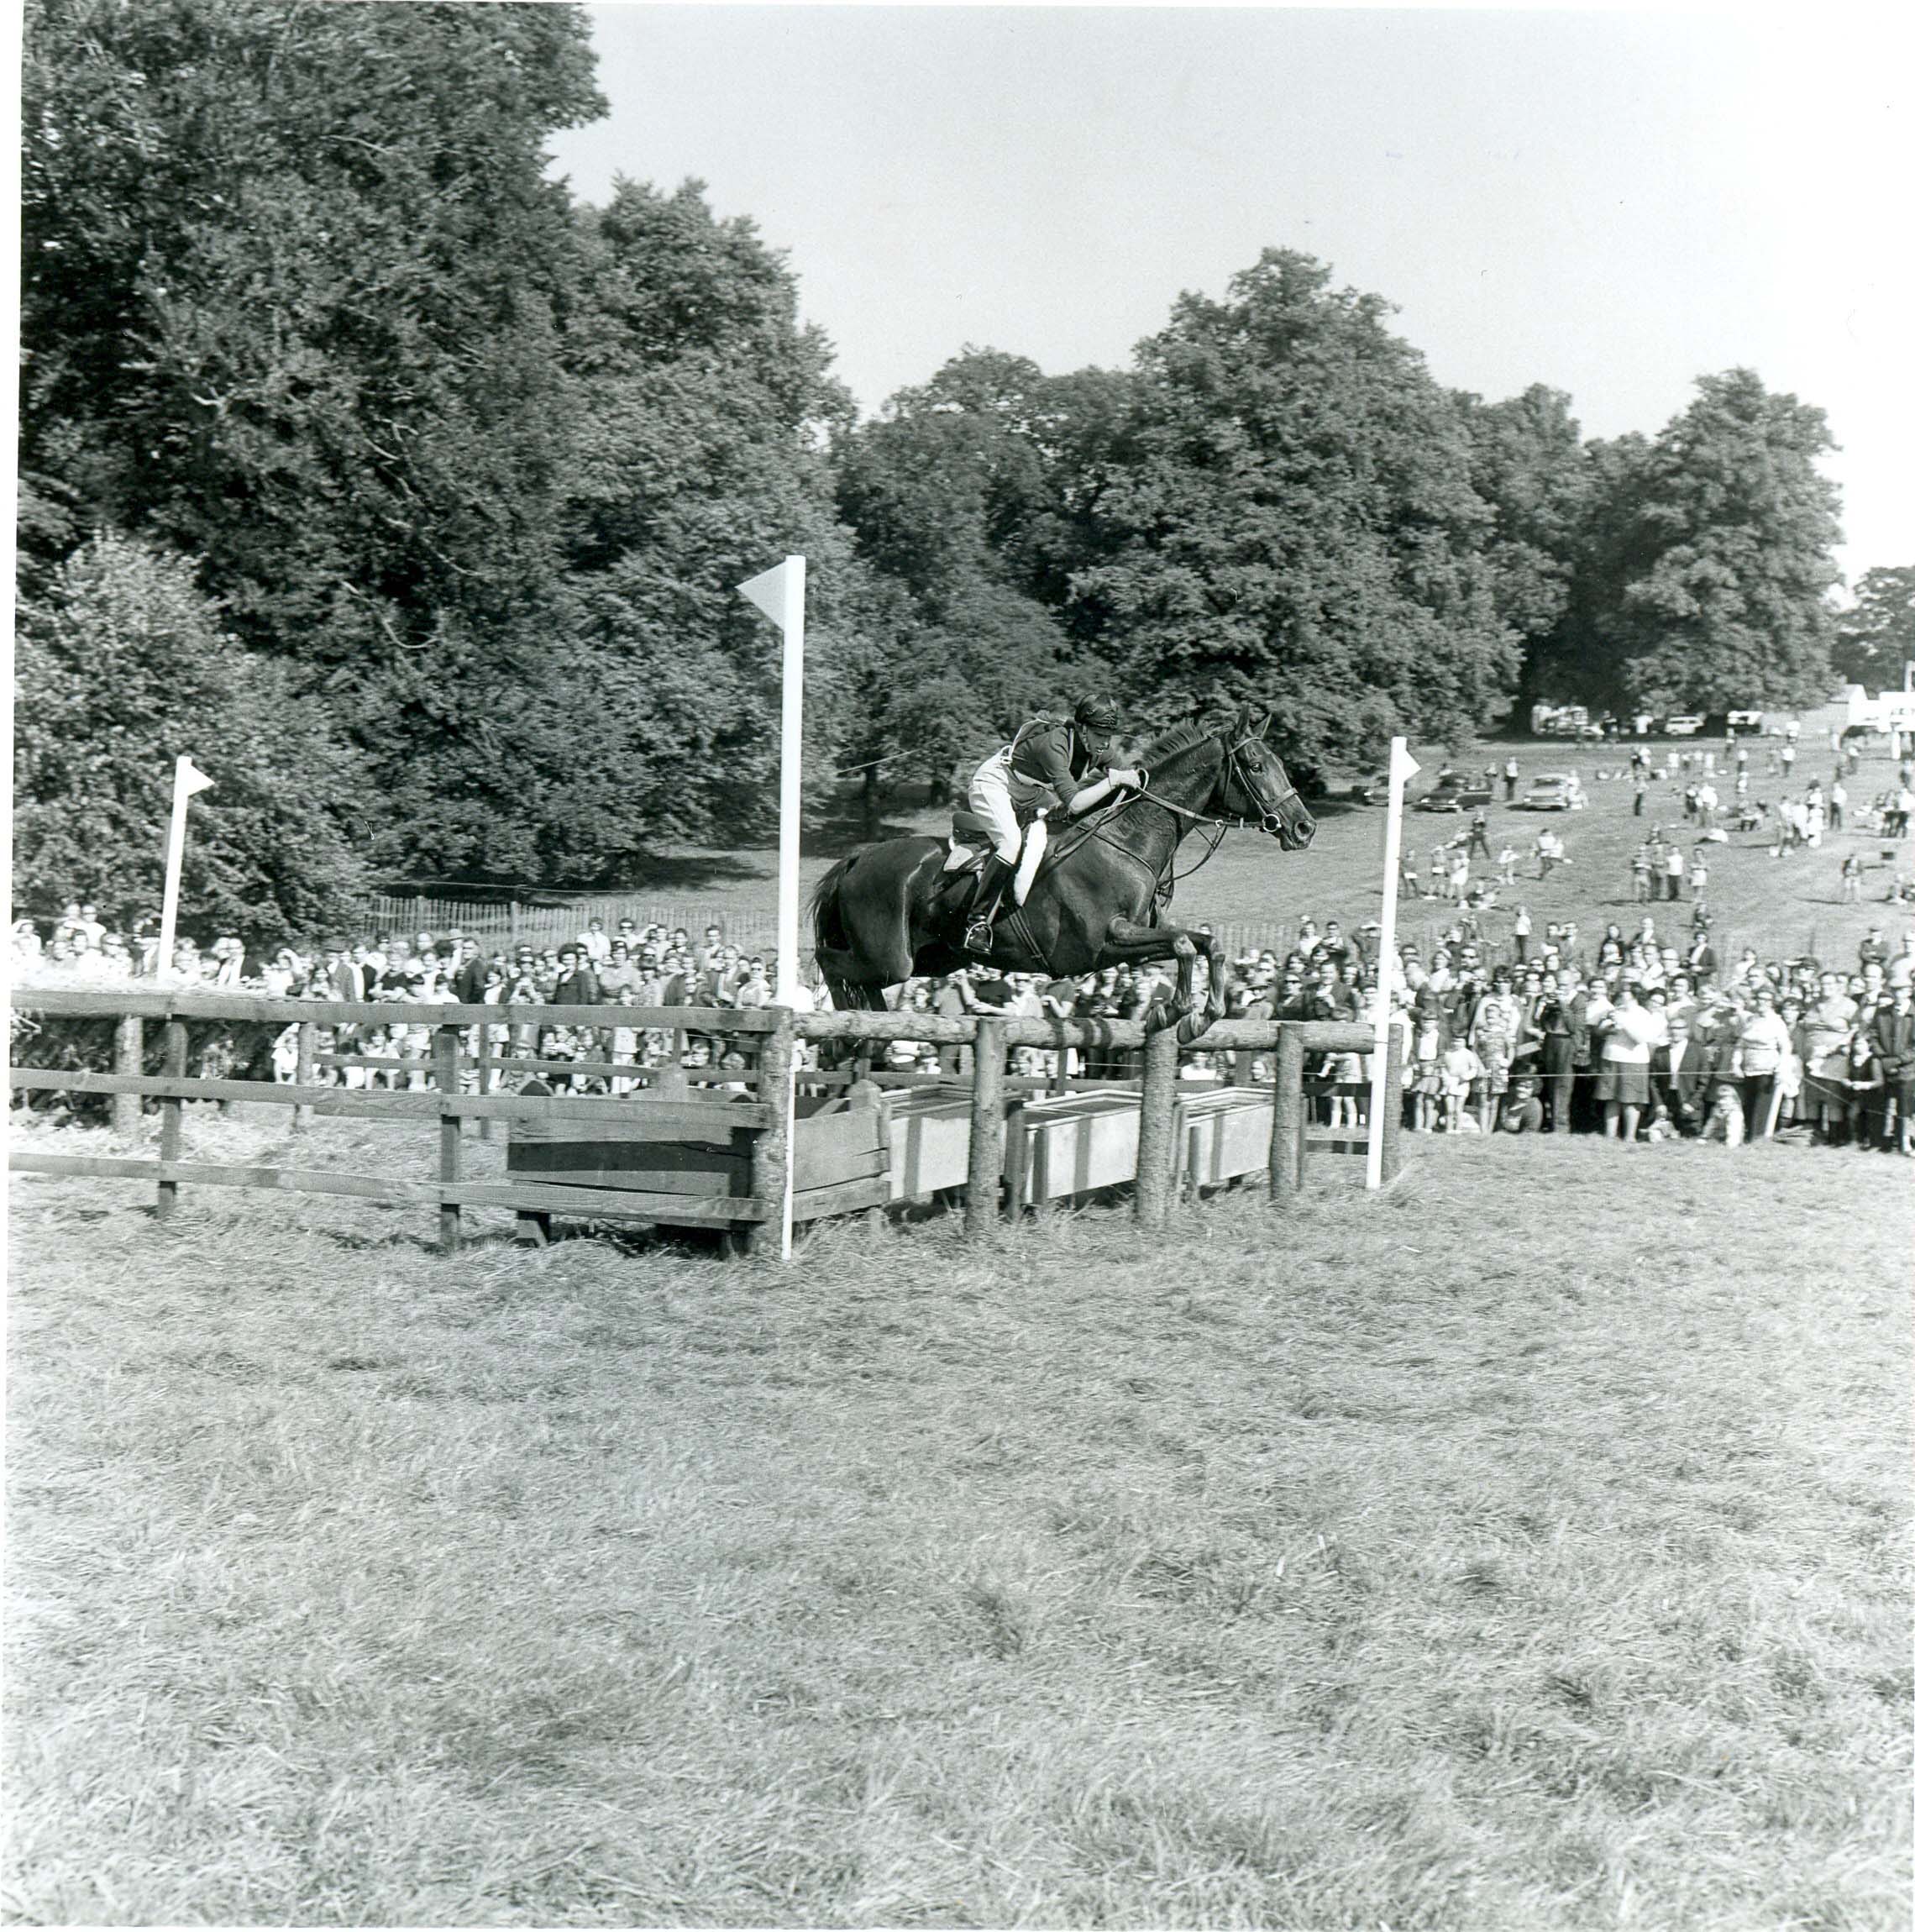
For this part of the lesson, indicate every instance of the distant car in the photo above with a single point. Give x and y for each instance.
(1371, 789)
(1454, 792)
(1685, 727)
(1555, 791)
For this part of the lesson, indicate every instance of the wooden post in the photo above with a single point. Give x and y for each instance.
(175, 1066)
(1156, 1128)
(986, 1130)
(1393, 1113)
(302, 1072)
(445, 1078)
(1287, 1117)
(130, 1056)
(771, 1153)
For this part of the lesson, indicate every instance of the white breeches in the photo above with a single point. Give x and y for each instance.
(989, 797)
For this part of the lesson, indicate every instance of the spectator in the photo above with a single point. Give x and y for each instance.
(1629, 1033)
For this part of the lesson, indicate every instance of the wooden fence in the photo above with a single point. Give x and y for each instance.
(739, 1114)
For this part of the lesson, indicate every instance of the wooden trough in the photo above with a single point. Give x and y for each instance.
(680, 1175)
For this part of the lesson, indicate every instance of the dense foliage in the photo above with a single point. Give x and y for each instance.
(1874, 640)
(121, 666)
(462, 475)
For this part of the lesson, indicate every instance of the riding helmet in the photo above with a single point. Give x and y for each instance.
(1099, 713)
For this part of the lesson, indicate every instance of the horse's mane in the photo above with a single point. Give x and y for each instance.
(1180, 738)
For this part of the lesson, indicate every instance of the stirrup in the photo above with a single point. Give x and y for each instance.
(977, 936)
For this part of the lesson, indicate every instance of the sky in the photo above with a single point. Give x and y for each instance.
(1612, 203)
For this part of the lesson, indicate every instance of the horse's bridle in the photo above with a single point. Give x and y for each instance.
(1272, 820)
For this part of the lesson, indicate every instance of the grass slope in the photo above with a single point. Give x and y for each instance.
(1524, 1549)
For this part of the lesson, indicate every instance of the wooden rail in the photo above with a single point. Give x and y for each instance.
(670, 1108)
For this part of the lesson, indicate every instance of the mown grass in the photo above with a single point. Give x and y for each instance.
(1525, 1548)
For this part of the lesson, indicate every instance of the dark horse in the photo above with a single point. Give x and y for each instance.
(890, 910)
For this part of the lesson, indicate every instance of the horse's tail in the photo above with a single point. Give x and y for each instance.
(828, 932)
(838, 957)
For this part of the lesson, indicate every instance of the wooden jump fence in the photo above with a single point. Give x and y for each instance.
(744, 1140)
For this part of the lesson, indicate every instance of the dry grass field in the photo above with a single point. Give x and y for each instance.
(1525, 1548)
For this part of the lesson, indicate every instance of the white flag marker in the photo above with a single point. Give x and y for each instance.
(780, 593)
(187, 779)
(1403, 769)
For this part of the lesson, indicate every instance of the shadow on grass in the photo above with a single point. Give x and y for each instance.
(832, 837)
(683, 871)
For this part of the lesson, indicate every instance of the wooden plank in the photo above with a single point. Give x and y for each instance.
(168, 1195)
(260, 1008)
(452, 1147)
(590, 1203)
(845, 1197)
(712, 1118)
(202, 1174)
(654, 1167)
(671, 1116)
(837, 1147)
(1317, 1036)
(178, 1087)
(100, 1166)
(130, 1056)
(308, 1041)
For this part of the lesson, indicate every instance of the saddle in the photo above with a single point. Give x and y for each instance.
(970, 840)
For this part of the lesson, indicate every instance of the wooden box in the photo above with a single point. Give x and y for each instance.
(1057, 1146)
(930, 1139)
(1223, 1134)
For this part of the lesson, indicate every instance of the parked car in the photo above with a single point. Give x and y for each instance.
(1555, 791)
(1455, 791)
(1370, 791)
(1684, 727)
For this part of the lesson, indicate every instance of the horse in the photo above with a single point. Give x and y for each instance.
(892, 910)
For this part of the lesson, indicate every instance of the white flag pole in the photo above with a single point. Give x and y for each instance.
(780, 593)
(187, 780)
(1403, 769)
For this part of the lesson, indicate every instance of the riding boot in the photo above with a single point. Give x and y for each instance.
(998, 874)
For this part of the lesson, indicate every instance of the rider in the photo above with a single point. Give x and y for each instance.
(1046, 759)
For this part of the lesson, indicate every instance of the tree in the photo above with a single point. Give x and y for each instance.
(1874, 640)
(120, 667)
(1287, 517)
(705, 408)
(1528, 465)
(954, 494)
(292, 283)
(1708, 557)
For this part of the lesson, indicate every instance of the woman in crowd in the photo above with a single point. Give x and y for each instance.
(1629, 1033)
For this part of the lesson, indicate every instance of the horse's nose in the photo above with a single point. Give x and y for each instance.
(1306, 830)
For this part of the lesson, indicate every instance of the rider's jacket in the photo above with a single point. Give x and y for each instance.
(1048, 755)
